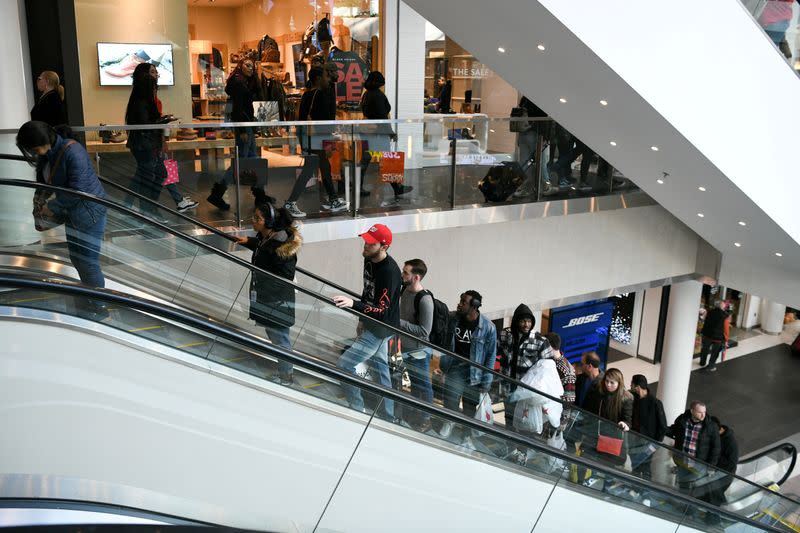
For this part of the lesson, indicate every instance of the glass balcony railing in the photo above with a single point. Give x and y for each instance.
(190, 273)
(353, 168)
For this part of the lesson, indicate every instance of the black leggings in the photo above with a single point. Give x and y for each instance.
(366, 158)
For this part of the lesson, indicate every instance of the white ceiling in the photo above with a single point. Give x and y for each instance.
(680, 68)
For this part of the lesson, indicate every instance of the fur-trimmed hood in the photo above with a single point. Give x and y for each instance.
(292, 244)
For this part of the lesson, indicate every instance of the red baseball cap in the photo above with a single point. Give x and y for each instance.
(377, 234)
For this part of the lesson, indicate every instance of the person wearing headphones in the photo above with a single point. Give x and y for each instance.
(272, 304)
(475, 340)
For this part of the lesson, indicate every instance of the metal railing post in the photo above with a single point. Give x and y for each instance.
(236, 181)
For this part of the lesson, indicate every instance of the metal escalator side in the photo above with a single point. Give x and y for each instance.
(188, 272)
(41, 301)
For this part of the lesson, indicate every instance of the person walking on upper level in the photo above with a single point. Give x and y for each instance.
(716, 331)
(380, 300)
(475, 340)
(49, 107)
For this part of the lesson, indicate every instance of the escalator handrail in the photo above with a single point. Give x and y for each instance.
(217, 328)
(250, 266)
(791, 451)
(207, 227)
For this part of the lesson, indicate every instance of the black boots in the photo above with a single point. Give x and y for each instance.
(215, 198)
(260, 196)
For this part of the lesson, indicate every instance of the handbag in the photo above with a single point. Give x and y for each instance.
(172, 172)
(609, 445)
(41, 221)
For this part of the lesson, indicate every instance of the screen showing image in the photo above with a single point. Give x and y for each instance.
(117, 62)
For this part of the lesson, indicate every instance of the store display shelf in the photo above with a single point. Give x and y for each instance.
(97, 147)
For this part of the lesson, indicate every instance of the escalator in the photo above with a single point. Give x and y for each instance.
(189, 343)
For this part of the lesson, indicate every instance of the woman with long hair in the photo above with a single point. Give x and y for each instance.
(146, 145)
(243, 88)
(49, 107)
(65, 163)
(608, 399)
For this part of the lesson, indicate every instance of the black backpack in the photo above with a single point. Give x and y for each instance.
(501, 181)
(440, 336)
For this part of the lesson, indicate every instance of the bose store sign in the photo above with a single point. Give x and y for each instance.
(583, 328)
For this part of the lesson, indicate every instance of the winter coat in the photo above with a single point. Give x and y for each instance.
(592, 428)
(242, 94)
(272, 301)
(143, 111)
(649, 418)
(520, 352)
(728, 451)
(708, 444)
(49, 108)
(75, 171)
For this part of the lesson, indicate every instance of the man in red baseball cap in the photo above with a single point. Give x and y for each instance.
(380, 300)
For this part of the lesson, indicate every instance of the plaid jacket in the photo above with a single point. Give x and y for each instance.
(531, 349)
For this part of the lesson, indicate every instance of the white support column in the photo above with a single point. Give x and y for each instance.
(17, 99)
(772, 318)
(678, 350)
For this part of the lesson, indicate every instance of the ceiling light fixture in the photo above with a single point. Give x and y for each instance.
(742, 223)
(737, 244)
(701, 189)
(660, 181)
(701, 215)
(541, 47)
(501, 49)
(654, 148)
(779, 254)
(603, 102)
(613, 143)
(562, 100)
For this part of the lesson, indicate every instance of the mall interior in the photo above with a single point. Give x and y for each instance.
(626, 177)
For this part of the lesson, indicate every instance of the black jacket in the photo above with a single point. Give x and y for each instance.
(591, 427)
(649, 418)
(714, 325)
(272, 301)
(580, 383)
(375, 106)
(242, 94)
(444, 97)
(596, 403)
(729, 451)
(708, 445)
(49, 108)
(142, 111)
(380, 298)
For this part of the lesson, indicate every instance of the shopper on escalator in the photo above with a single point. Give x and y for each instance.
(65, 163)
(728, 458)
(272, 302)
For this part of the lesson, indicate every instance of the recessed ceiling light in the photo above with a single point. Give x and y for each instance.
(603, 102)
(654, 148)
(501, 49)
(737, 244)
(541, 47)
(613, 143)
(660, 181)
(779, 254)
(742, 223)
(701, 189)
(562, 100)
(491, 131)
(701, 215)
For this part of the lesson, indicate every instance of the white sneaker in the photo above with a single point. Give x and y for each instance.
(294, 210)
(522, 192)
(447, 428)
(336, 205)
(186, 204)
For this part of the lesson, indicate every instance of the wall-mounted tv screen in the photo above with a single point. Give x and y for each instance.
(117, 62)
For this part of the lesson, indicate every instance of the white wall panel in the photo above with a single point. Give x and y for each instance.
(397, 485)
(87, 418)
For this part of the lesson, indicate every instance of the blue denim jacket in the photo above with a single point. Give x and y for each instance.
(483, 351)
(75, 171)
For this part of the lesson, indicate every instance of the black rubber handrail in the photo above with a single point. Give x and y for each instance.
(309, 292)
(790, 450)
(220, 329)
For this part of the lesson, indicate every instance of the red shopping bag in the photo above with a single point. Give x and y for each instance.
(392, 167)
(333, 149)
(172, 172)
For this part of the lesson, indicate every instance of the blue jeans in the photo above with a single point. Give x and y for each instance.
(279, 335)
(367, 347)
(84, 249)
(419, 371)
(247, 148)
(457, 388)
(149, 177)
(172, 189)
(777, 31)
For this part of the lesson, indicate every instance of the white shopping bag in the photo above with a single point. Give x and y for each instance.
(528, 417)
(484, 412)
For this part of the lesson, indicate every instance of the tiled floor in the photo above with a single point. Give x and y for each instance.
(754, 391)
